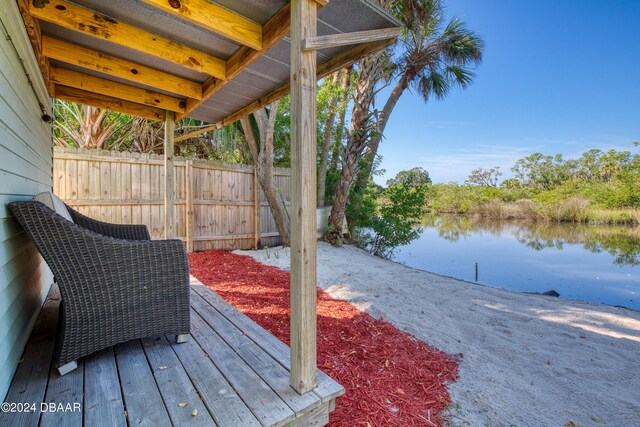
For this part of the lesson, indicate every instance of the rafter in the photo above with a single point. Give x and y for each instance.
(272, 32)
(344, 39)
(214, 18)
(106, 64)
(100, 26)
(340, 61)
(75, 79)
(107, 102)
(35, 36)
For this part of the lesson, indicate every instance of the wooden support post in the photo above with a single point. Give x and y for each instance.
(169, 175)
(188, 182)
(257, 209)
(303, 195)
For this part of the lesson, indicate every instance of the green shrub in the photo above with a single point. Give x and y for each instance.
(389, 217)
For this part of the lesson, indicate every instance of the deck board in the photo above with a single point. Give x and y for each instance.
(231, 371)
(142, 398)
(265, 404)
(64, 390)
(268, 369)
(223, 403)
(30, 380)
(175, 385)
(327, 389)
(103, 404)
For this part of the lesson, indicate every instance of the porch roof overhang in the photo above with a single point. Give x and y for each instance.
(214, 62)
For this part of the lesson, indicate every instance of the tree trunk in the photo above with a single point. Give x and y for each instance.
(326, 143)
(262, 154)
(349, 164)
(364, 93)
(366, 165)
(344, 101)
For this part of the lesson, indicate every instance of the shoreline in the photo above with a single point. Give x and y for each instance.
(467, 282)
(528, 359)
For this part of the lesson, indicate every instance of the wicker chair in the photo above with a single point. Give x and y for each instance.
(116, 284)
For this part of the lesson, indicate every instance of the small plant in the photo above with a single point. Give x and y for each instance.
(266, 251)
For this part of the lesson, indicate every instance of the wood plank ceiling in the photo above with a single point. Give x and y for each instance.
(115, 62)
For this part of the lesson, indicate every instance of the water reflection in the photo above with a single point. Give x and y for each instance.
(622, 242)
(584, 262)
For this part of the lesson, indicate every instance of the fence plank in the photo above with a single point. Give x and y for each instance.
(217, 205)
(189, 207)
(256, 210)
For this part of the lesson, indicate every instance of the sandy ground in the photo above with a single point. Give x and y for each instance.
(528, 360)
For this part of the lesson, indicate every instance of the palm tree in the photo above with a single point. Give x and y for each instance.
(429, 57)
(89, 127)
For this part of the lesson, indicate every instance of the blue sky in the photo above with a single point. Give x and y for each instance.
(557, 77)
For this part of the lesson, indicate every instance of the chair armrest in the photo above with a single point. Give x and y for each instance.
(119, 231)
(113, 290)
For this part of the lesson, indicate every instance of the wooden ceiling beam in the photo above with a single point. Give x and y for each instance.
(214, 18)
(272, 32)
(345, 39)
(107, 102)
(106, 64)
(75, 79)
(35, 36)
(340, 61)
(76, 18)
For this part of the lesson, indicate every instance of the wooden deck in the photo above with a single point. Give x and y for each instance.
(231, 372)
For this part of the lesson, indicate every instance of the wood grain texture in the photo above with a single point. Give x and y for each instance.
(327, 389)
(221, 399)
(103, 101)
(112, 66)
(75, 79)
(94, 24)
(214, 18)
(35, 36)
(256, 210)
(272, 32)
(174, 385)
(340, 61)
(228, 372)
(30, 381)
(103, 404)
(144, 403)
(188, 184)
(226, 210)
(269, 370)
(263, 402)
(169, 176)
(303, 200)
(344, 39)
(64, 390)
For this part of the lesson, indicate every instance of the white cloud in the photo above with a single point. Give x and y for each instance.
(456, 165)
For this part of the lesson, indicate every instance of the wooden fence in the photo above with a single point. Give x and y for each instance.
(216, 204)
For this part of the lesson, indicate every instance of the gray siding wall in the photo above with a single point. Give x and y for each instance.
(25, 169)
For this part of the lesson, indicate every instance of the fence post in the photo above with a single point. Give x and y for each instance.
(257, 207)
(169, 175)
(189, 207)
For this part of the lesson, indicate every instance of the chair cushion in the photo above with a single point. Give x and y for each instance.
(54, 202)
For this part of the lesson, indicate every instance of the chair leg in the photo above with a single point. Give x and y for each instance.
(182, 338)
(67, 367)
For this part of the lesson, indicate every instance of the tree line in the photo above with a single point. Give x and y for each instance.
(598, 186)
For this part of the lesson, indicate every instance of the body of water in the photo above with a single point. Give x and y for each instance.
(581, 262)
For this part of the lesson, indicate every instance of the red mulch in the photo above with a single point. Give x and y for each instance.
(390, 377)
